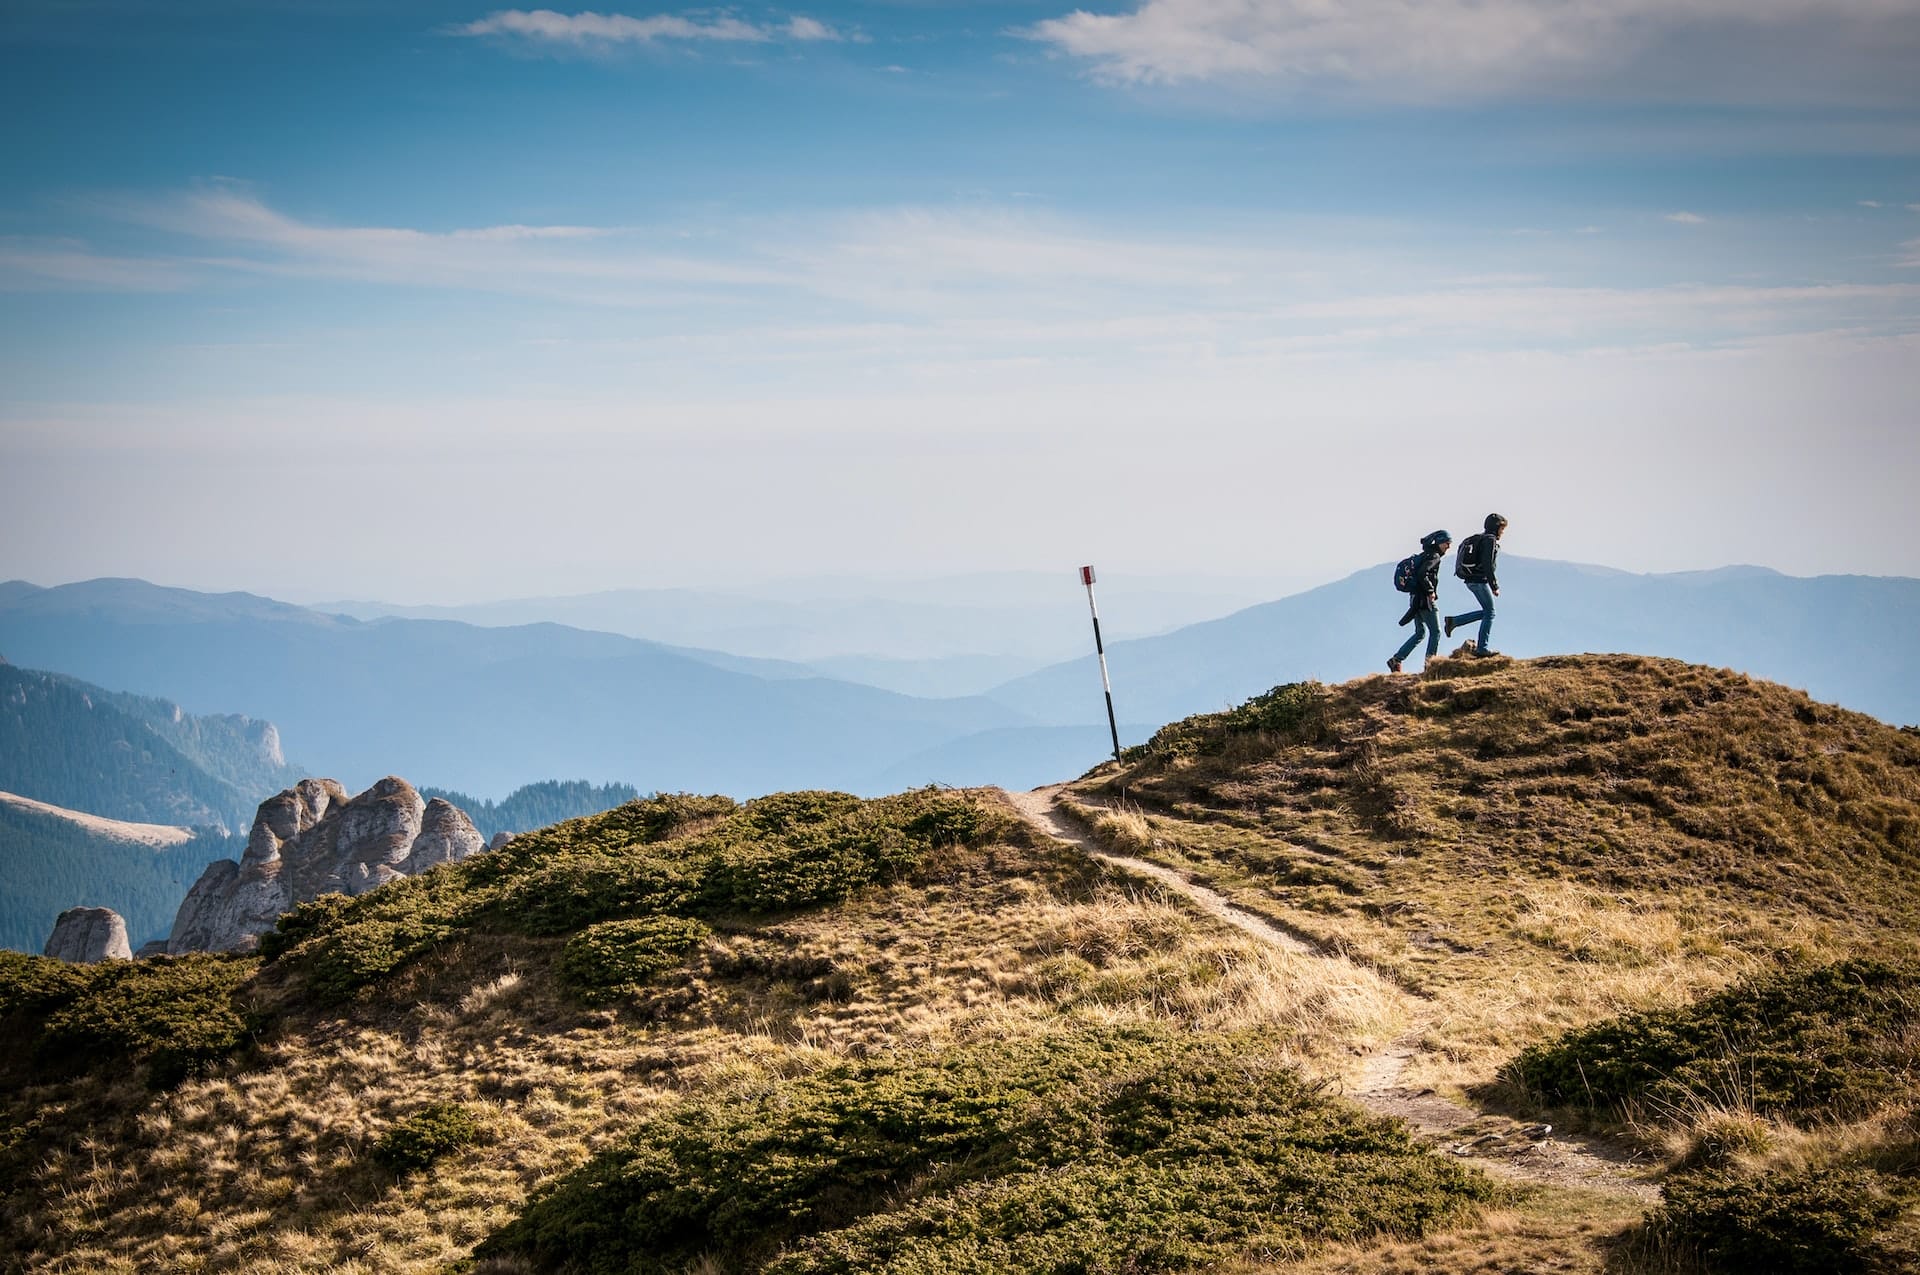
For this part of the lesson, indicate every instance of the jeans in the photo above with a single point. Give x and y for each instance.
(1484, 594)
(1428, 622)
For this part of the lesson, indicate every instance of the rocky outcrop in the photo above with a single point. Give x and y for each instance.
(312, 840)
(85, 935)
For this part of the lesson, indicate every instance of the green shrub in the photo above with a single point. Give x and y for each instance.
(806, 849)
(606, 961)
(425, 1136)
(40, 984)
(357, 942)
(172, 1015)
(1825, 1042)
(1813, 1221)
(675, 856)
(1079, 1150)
(579, 889)
(1294, 711)
(303, 922)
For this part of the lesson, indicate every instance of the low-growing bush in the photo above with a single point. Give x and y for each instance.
(40, 984)
(171, 1015)
(303, 922)
(674, 856)
(1830, 1042)
(1785, 1222)
(611, 959)
(425, 1136)
(580, 889)
(1079, 1150)
(378, 932)
(1293, 711)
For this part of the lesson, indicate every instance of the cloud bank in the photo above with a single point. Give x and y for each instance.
(1844, 50)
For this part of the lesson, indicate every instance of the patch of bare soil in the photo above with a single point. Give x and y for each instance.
(1528, 1152)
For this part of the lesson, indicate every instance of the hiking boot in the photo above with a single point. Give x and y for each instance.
(1393, 664)
(1481, 655)
(1447, 624)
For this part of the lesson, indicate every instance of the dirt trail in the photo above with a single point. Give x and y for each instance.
(1503, 1146)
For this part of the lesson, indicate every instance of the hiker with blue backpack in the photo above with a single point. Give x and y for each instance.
(1419, 578)
(1474, 565)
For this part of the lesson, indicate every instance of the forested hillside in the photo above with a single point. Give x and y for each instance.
(50, 864)
(132, 757)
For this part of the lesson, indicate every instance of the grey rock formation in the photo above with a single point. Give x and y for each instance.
(85, 935)
(499, 839)
(312, 840)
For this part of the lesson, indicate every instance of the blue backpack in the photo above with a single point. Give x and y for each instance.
(1403, 573)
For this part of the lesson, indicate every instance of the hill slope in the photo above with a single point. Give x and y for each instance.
(819, 1034)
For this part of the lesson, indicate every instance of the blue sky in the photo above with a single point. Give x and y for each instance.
(440, 301)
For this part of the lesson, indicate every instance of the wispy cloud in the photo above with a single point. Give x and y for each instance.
(1686, 218)
(1868, 203)
(1911, 251)
(590, 30)
(1477, 49)
(918, 287)
(33, 265)
(594, 264)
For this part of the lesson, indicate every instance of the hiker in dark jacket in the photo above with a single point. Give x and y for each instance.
(1423, 598)
(1474, 566)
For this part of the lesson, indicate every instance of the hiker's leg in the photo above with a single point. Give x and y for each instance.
(1484, 594)
(1406, 647)
(1431, 618)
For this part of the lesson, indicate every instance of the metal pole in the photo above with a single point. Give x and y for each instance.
(1086, 578)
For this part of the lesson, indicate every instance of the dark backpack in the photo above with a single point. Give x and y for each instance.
(1403, 573)
(1470, 559)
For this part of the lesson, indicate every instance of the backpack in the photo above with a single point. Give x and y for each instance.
(1403, 573)
(1470, 559)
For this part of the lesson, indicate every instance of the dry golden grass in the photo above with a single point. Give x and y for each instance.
(269, 1168)
(1533, 846)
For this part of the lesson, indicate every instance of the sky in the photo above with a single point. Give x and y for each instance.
(440, 302)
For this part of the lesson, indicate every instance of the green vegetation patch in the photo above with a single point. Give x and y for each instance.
(610, 960)
(170, 1016)
(1289, 713)
(1088, 1149)
(678, 856)
(1830, 1042)
(1791, 1222)
(425, 1136)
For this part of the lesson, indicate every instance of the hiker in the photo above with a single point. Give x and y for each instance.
(1474, 565)
(1419, 578)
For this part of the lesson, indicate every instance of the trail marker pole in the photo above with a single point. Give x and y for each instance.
(1086, 578)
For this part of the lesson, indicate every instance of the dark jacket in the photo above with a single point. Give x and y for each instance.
(1485, 573)
(1426, 579)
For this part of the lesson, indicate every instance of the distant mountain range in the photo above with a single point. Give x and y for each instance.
(940, 636)
(480, 709)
